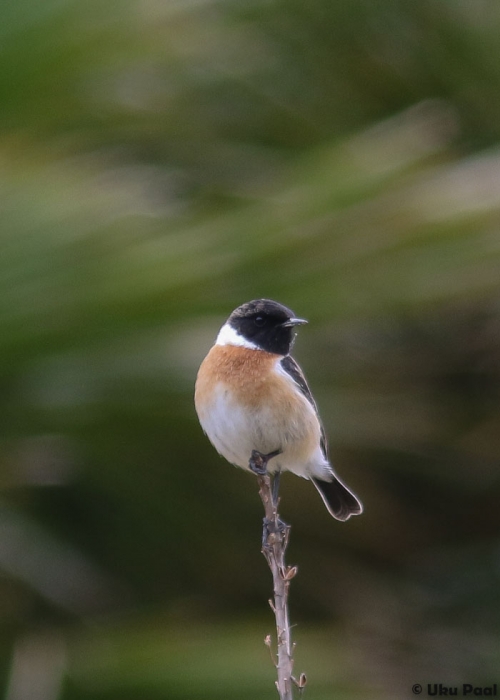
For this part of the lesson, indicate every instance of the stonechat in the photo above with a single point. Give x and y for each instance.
(252, 399)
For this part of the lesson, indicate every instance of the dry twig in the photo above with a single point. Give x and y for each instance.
(274, 543)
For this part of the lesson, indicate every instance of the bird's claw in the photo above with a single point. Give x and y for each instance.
(258, 461)
(273, 530)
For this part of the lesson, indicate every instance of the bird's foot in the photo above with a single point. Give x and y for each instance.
(258, 461)
(273, 530)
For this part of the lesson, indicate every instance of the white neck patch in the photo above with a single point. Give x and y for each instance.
(229, 336)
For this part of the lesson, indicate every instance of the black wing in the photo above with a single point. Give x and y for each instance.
(341, 502)
(294, 371)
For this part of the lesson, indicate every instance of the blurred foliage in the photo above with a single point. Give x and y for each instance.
(161, 163)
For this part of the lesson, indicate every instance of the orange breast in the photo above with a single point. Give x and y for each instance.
(247, 373)
(244, 403)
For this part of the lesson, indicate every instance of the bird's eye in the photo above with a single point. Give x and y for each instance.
(259, 321)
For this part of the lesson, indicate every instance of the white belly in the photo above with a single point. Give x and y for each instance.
(235, 432)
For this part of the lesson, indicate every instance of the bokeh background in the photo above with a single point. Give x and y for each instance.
(161, 162)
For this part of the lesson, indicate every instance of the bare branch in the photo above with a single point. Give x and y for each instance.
(274, 542)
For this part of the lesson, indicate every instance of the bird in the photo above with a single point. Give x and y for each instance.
(256, 408)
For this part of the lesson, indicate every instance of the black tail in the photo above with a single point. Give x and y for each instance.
(341, 503)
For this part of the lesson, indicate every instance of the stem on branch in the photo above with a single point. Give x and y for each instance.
(274, 543)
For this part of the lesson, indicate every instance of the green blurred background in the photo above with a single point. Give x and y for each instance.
(161, 162)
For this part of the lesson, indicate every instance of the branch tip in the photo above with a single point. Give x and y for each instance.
(301, 681)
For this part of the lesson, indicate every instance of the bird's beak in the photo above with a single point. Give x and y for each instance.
(294, 322)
